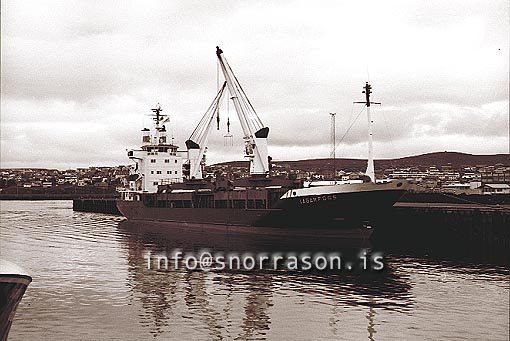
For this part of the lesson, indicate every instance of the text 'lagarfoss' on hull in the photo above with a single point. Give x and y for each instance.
(168, 185)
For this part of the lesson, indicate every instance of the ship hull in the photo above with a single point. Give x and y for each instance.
(238, 224)
(337, 211)
(13, 284)
(331, 205)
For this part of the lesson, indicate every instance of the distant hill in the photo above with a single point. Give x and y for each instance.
(454, 159)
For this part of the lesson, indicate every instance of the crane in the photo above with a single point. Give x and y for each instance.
(197, 142)
(255, 133)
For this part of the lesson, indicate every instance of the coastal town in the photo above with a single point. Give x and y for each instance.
(446, 178)
(477, 179)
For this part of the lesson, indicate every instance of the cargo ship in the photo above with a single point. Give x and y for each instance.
(168, 185)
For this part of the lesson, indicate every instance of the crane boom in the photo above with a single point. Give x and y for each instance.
(255, 133)
(197, 142)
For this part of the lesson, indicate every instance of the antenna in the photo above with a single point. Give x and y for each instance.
(157, 110)
(158, 117)
(333, 141)
(367, 90)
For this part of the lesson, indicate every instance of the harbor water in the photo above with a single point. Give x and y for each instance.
(91, 281)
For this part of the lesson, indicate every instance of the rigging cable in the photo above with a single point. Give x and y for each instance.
(350, 126)
(342, 150)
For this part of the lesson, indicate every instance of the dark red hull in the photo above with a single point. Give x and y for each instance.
(340, 214)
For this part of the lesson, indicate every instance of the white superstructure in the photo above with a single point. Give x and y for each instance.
(157, 161)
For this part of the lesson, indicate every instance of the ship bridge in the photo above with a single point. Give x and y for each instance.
(157, 162)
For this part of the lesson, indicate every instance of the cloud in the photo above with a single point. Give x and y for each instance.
(78, 76)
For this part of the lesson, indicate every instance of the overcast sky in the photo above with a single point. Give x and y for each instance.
(79, 77)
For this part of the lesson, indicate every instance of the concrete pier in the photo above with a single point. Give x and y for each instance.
(448, 223)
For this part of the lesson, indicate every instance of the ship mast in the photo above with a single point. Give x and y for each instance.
(160, 119)
(370, 172)
(333, 142)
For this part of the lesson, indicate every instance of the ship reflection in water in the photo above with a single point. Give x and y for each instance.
(241, 303)
(91, 282)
